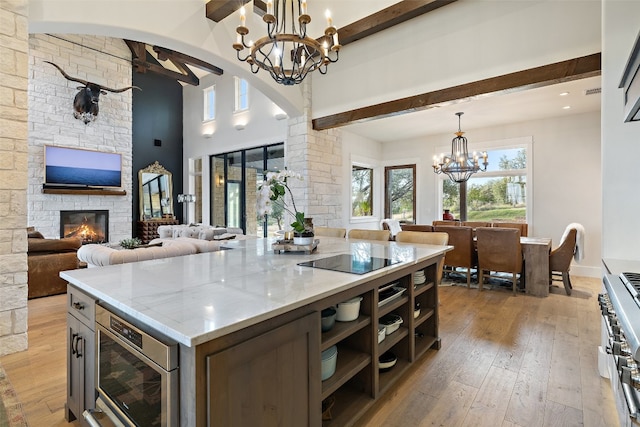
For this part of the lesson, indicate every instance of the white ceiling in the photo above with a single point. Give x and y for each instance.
(485, 111)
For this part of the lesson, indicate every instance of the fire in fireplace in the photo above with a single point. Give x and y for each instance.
(91, 226)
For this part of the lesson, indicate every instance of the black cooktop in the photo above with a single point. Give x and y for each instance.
(350, 264)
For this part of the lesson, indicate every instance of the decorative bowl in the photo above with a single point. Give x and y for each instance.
(328, 319)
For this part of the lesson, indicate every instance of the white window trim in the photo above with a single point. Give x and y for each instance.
(518, 142)
(236, 96)
(205, 104)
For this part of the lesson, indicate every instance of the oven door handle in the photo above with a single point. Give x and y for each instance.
(98, 418)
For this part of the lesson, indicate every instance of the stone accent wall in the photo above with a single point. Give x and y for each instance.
(102, 60)
(13, 175)
(317, 155)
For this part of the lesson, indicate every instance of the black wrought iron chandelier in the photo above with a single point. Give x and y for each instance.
(459, 165)
(288, 56)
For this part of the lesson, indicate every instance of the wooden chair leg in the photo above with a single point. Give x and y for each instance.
(567, 282)
(515, 283)
(468, 278)
(480, 279)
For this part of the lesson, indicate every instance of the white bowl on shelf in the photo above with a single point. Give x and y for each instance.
(391, 322)
(329, 359)
(348, 310)
(382, 333)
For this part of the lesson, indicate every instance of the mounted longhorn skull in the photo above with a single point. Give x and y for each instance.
(86, 101)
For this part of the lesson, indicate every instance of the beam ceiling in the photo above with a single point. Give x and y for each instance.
(572, 69)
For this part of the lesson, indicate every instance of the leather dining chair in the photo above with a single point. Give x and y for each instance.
(463, 254)
(329, 231)
(452, 223)
(522, 226)
(560, 260)
(428, 238)
(416, 227)
(499, 250)
(357, 233)
(393, 225)
(476, 224)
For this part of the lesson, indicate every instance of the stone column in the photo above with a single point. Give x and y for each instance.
(317, 155)
(14, 46)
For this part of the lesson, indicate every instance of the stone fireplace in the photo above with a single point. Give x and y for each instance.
(91, 225)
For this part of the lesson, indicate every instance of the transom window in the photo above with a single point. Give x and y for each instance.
(209, 103)
(242, 94)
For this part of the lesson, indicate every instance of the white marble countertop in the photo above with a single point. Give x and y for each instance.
(196, 298)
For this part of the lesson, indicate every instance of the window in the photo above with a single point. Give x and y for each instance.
(242, 94)
(500, 193)
(400, 193)
(361, 191)
(209, 103)
(195, 187)
(235, 178)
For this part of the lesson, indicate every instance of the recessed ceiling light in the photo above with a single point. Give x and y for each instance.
(566, 107)
(564, 94)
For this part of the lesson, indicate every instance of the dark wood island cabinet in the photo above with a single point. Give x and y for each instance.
(265, 363)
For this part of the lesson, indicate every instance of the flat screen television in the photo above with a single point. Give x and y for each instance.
(81, 168)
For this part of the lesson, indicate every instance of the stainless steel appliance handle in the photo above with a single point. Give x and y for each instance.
(97, 418)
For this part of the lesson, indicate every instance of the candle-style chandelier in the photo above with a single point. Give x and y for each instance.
(288, 56)
(459, 165)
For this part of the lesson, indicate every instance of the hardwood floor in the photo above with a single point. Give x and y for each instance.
(505, 361)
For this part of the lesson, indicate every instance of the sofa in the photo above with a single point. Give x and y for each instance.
(198, 231)
(96, 255)
(46, 258)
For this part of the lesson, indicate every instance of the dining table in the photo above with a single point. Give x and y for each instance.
(535, 251)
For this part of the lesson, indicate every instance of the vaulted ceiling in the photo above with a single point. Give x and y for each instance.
(389, 120)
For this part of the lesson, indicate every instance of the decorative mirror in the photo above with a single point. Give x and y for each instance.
(156, 192)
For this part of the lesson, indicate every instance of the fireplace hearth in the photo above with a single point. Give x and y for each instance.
(91, 225)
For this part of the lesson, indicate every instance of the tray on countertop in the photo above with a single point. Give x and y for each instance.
(288, 246)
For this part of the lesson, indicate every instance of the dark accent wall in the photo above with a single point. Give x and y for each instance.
(157, 132)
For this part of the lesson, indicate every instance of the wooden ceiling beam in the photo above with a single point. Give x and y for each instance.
(571, 69)
(217, 10)
(164, 54)
(159, 69)
(388, 17)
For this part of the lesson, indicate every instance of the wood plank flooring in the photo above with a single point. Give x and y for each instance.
(505, 361)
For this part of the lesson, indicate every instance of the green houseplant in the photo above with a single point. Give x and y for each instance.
(274, 190)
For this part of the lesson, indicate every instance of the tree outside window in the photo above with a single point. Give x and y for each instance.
(400, 193)
(361, 191)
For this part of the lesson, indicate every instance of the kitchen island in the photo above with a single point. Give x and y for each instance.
(247, 321)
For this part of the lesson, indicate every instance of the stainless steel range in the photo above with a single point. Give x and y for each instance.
(620, 306)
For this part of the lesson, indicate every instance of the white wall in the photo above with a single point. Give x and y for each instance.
(178, 25)
(566, 175)
(261, 127)
(459, 43)
(102, 60)
(620, 141)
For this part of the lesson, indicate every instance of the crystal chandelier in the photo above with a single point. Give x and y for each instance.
(288, 56)
(459, 165)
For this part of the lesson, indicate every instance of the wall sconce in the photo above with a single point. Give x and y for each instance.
(219, 180)
(239, 126)
(208, 134)
(280, 115)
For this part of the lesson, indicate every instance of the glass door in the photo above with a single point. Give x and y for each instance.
(235, 178)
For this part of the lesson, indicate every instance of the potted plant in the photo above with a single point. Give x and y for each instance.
(274, 190)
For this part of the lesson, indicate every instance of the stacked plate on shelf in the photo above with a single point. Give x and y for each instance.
(419, 278)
